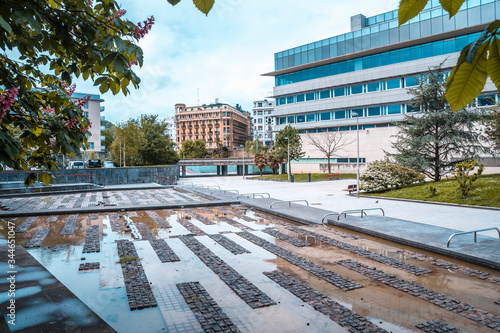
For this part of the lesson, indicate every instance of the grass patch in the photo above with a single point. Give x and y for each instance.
(302, 177)
(485, 192)
(127, 259)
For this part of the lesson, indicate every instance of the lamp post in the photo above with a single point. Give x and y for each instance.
(288, 158)
(357, 159)
(243, 160)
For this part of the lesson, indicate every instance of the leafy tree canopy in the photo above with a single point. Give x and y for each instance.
(193, 149)
(280, 148)
(255, 147)
(477, 60)
(45, 44)
(435, 139)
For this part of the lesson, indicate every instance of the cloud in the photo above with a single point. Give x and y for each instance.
(222, 54)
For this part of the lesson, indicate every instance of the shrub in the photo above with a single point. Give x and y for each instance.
(464, 179)
(381, 175)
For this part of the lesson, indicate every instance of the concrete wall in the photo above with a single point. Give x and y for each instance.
(111, 176)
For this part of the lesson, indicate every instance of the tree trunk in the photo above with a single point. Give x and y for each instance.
(329, 165)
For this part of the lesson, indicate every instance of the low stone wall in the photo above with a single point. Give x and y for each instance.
(108, 176)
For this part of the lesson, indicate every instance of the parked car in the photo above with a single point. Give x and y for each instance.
(94, 164)
(76, 165)
(108, 164)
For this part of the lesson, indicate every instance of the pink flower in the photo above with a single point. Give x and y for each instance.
(7, 99)
(141, 31)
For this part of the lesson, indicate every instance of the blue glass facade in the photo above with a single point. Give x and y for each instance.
(382, 30)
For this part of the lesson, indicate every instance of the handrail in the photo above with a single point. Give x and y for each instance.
(323, 218)
(472, 231)
(362, 211)
(207, 187)
(185, 184)
(289, 202)
(224, 191)
(85, 175)
(253, 195)
(164, 177)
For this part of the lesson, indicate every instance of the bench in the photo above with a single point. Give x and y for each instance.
(350, 188)
(335, 176)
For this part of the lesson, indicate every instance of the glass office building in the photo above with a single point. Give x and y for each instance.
(366, 72)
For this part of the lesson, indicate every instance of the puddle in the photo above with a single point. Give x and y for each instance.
(389, 308)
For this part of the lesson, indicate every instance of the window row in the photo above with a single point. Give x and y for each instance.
(426, 50)
(386, 32)
(371, 111)
(349, 90)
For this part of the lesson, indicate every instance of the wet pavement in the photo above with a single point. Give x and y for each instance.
(202, 264)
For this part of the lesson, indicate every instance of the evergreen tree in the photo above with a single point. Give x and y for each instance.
(435, 138)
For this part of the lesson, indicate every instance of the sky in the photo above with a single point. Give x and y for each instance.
(193, 59)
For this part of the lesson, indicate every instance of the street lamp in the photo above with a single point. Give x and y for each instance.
(288, 158)
(357, 159)
(243, 160)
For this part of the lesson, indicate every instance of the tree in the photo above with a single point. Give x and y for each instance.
(254, 147)
(477, 60)
(194, 149)
(435, 139)
(288, 145)
(465, 180)
(493, 127)
(45, 44)
(129, 139)
(329, 143)
(159, 147)
(109, 135)
(274, 162)
(260, 161)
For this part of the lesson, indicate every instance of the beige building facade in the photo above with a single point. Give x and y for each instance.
(92, 110)
(213, 123)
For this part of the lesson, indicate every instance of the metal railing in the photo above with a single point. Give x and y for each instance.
(289, 202)
(261, 195)
(323, 218)
(470, 232)
(361, 211)
(225, 191)
(203, 187)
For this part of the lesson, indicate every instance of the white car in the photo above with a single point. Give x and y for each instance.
(108, 164)
(76, 165)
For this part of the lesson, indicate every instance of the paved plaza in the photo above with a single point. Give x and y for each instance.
(224, 254)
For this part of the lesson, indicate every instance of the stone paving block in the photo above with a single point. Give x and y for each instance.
(38, 238)
(52, 218)
(88, 266)
(449, 303)
(143, 229)
(294, 241)
(70, 225)
(158, 219)
(362, 252)
(307, 265)
(26, 224)
(323, 304)
(170, 212)
(211, 317)
(437, 326)
(191, 227)
(198, 217)
(163, 251)
(114, 221)
(238, 215)
(92, 240)
(234, 223)
(230, 245)
(139, 291)
(246, 290)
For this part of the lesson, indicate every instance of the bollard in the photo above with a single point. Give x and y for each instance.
(309, 177)
(291, 178)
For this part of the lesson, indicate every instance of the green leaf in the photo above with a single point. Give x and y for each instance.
(494, 62)
(408, 9)
(104, 87)
(174, 2)
(120, 44)
(5, 25)
(467, 80)
(206, 5)
(44, 177)
(451, 6)
(476, 45)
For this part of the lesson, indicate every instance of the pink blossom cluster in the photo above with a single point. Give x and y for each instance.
(141, 31)
(118, 14)
(7, 99)
(48, 110)
(70, 123)
(82, 101)
(70, 90)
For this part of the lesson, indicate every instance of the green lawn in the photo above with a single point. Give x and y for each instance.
(485, 192)
(302, 177)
